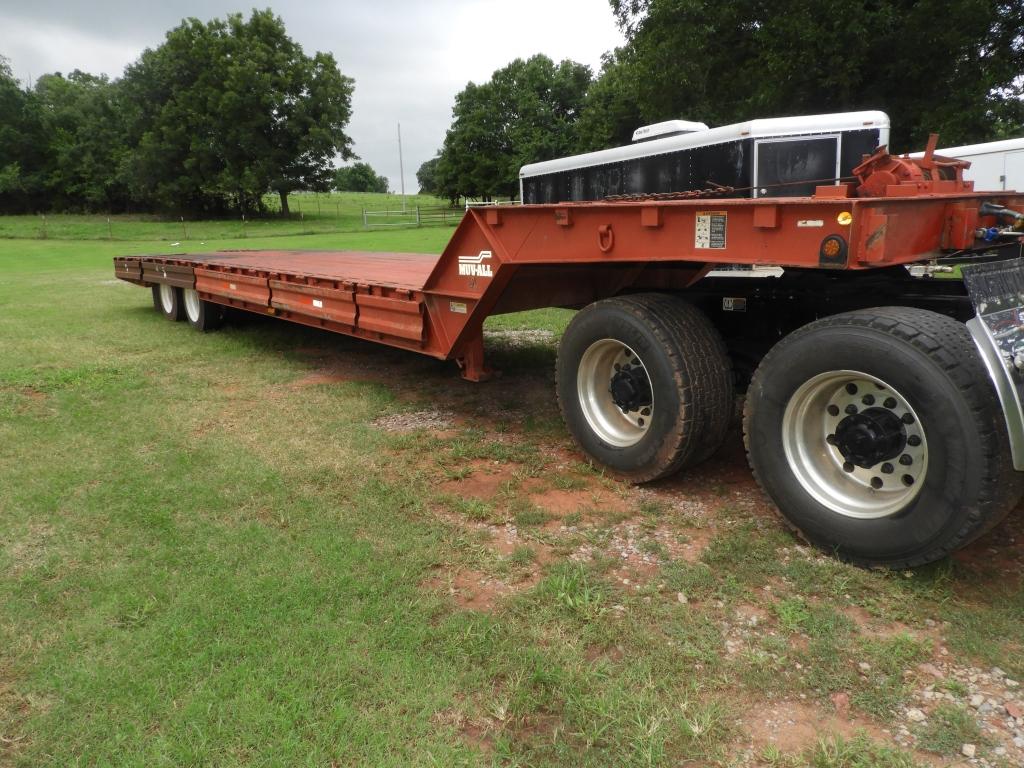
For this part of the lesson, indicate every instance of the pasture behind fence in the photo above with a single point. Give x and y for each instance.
(414, 216)
(309, 214)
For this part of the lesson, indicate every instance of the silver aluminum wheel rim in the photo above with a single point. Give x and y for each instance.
(864, 493)
(167, 298)
(593, 380)
(192, 304)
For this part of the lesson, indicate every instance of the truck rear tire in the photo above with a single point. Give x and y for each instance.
(880, 438)
(645, 385)
(202, 315)
(168, 301)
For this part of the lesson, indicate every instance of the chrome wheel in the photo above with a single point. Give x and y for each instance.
(615, 393)
(192, 304)
(855, 444)
(167, 298)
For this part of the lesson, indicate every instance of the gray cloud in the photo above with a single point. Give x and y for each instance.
(409, 58)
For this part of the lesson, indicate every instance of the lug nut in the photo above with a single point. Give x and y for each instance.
(907, 418)
(833, 410)
(851, 388)
(645, 412)
(914, 440)
(831, 439)
(887, 468)
(876, 483)
(640, 422)
(890, 403)
(906, 460)
(851, 409)
(848, 466)
(868, 400)
(907, 480)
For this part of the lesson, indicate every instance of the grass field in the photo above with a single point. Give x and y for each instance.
(310, 214)
(274, 546)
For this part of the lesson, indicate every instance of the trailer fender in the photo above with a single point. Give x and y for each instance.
(997, 290)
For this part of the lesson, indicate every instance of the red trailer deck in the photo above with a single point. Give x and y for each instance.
(843, 249)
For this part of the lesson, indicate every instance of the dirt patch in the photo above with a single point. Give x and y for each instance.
(1000, 553)
(29, 550)
(793, 726)
(694, 542)
(33, 394)
(483, 481)
(871, 626)
(470, 589)
(321, 377)
(435, 421)
(476, 733)
(592, 499)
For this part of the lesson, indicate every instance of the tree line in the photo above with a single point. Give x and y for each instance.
(219, 114)
(933, 66)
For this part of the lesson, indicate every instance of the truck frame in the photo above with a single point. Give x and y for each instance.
(883, 404)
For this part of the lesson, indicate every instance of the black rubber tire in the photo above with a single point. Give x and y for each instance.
(210, 317)
(970, 484)
(177, 310)
(690, 375)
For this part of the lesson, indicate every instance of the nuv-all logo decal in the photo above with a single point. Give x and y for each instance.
(474, 266)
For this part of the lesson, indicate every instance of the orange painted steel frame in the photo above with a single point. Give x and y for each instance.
(527, 257)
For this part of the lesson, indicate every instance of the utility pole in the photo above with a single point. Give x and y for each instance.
(401, 166)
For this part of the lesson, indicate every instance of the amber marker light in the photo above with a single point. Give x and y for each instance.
(832, 252)
(844, 218)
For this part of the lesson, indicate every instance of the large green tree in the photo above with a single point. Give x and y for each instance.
(86, 140)
(359, 177)
(932, 65)
(526, 112)
(25, 154)
(426, 177)
(223, 111)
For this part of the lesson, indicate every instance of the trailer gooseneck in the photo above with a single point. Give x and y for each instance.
(883, 408)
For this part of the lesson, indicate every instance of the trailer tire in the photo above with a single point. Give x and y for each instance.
(879, 436)
(688, 376)
(204, 316)
(168, 301)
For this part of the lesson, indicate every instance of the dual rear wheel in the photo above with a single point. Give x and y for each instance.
(877, 433)
(184, 304)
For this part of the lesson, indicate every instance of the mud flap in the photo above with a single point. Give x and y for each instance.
(997, 291)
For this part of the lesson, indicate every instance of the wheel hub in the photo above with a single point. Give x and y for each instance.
(630, 388)
(871, 436)
(615, 393)
(855, 444)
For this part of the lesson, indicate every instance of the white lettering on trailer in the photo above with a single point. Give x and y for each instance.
(473, 266)
(810, 223)
(458, 307)
(318, 303)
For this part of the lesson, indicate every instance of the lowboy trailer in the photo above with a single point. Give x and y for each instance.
(883, 403)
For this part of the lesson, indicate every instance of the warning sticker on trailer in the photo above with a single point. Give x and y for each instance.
(711, 227)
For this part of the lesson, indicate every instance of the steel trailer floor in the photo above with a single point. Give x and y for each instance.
(400, 270)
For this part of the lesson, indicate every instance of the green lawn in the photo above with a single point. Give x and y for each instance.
(215, 551)
(310, 214)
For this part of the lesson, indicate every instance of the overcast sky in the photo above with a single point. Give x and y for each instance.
(408, 57)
